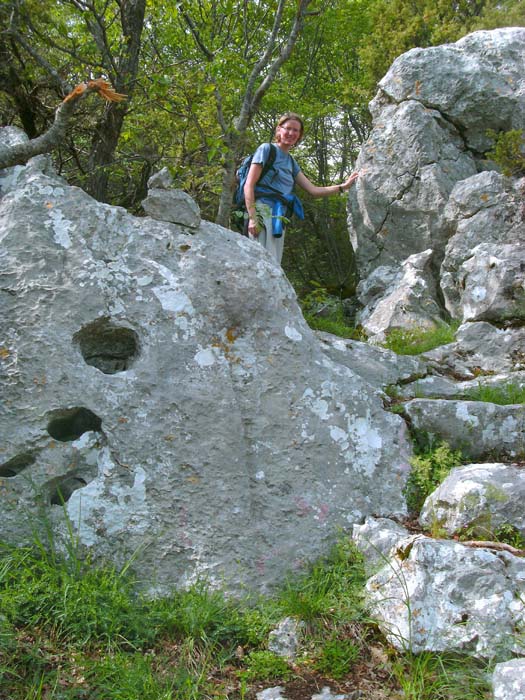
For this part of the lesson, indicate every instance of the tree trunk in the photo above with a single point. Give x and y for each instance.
(124, 75)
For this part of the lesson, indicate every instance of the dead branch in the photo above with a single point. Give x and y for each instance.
(499, 546)
(20, 153)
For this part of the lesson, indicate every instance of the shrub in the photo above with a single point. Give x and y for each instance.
(337, 657)
(508, 151)
(429, 469)
(264, 666)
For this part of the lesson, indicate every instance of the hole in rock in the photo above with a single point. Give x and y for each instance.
(17, 464)
(63, 488)
(106, 346)
(69, 424)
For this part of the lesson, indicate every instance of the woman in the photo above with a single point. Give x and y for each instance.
(277, 185)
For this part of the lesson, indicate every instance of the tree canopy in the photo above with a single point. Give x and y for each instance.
(205, 82)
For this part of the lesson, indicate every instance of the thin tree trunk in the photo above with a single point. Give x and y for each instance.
(124, 71)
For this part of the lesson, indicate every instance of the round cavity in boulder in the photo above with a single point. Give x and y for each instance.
(64, 488)
(68, 424)
(107, 346)
(17, 464)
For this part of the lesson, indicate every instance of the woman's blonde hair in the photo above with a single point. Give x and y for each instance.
(285, 118)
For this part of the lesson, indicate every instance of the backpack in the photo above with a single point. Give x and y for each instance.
(242, 174)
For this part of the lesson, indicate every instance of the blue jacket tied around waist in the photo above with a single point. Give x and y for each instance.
(283, 205)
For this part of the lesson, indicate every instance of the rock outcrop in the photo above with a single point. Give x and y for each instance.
(440, 234)
(428, 188)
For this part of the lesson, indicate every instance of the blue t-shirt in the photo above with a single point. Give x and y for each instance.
(281, 176)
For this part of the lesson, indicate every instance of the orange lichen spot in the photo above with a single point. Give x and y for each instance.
(232, 334)
(4, 352)
(484, 197)
(417, 87)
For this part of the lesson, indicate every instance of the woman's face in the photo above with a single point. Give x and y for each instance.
(289, 132)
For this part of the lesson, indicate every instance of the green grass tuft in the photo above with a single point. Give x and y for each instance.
(504, 395)
(415, 341)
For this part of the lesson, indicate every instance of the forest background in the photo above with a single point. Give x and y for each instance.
(206, 81)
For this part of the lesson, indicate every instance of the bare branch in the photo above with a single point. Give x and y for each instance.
(498, 546)
(253, 96)
(195, 33)
(20, 153)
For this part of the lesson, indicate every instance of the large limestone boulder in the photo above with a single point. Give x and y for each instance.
(481, 348)
(436, 595)
(162, 391)
(480, 429)
(478, 498)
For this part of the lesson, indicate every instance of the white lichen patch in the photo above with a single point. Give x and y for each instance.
(205, 357)
(106, 505)
(293, 333)
(61, 228)
(462, 413)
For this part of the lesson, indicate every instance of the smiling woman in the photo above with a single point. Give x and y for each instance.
(269, 198)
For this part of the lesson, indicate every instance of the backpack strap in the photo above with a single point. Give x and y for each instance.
(270, 160)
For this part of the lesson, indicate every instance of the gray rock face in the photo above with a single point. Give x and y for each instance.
(284, 640)
(477, 428)
(508, 680)
(422, 188)
(165, 387)
(435, 595)
(480, 497)
(406, 302)
(435, 386)
(481, 347)
(483, 273)
(378, 366)
(376, 538)
(174, 206)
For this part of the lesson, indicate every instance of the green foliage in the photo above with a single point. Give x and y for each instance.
(183, 646)
(324, 312)
(414, 341)
(508, 151)
(429, 676)
(429, 469)
(201, 615)
(331, 590)
(510, 535)
(264, 666)
(337, 657)
(503, 395)
(74, 600)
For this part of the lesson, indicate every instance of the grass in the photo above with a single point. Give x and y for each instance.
(73, 631)
(325, 312)
(503, 395)
(415, 341)
(334, 326)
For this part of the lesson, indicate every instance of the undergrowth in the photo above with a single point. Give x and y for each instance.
(429, 467)
(70, 630)
(324, 312)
